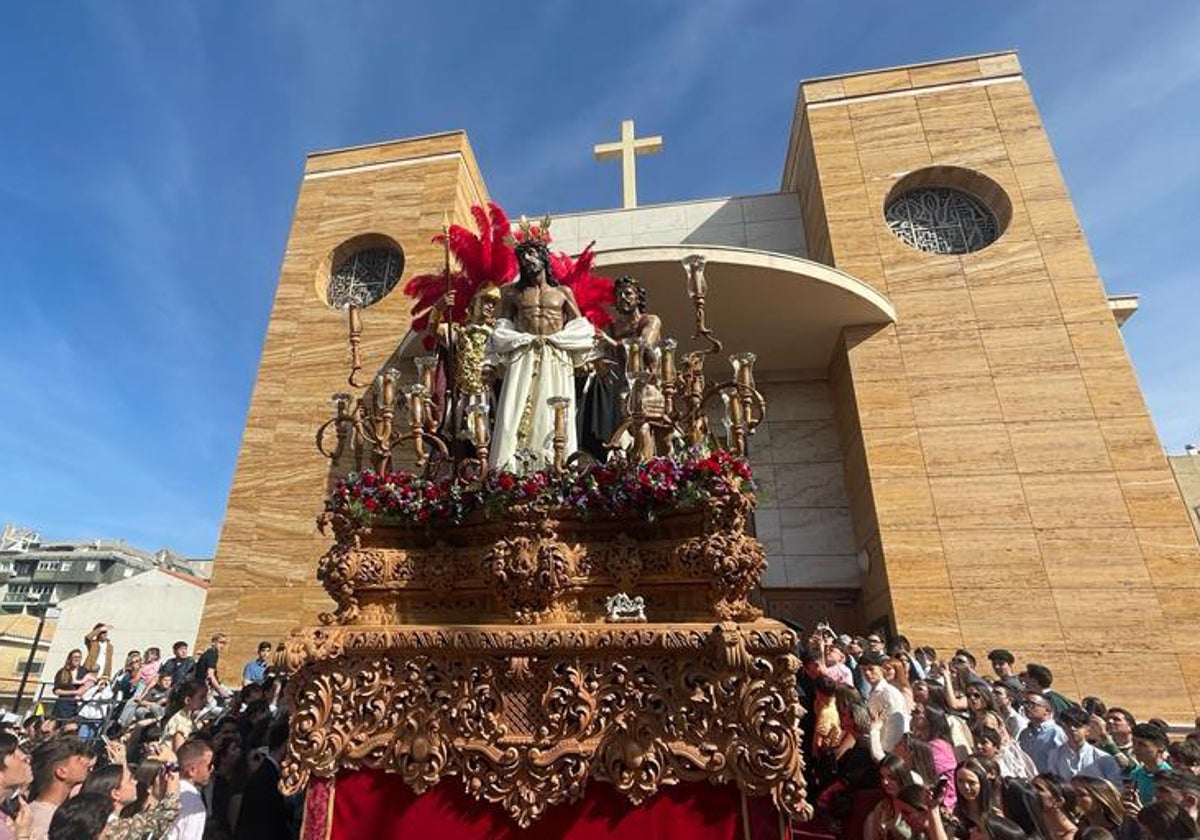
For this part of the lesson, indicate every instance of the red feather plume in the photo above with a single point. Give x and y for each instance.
(483, 257)
(593, 293)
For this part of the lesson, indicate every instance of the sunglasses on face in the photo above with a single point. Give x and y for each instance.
(974, 695)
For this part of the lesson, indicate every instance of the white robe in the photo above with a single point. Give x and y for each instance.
(536, 369)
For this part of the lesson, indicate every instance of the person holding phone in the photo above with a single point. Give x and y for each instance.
(16, 772)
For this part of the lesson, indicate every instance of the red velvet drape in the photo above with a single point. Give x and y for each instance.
(379, 806)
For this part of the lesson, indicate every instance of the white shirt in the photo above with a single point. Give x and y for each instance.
(189, 825)
(1015, 722)
(886, 701)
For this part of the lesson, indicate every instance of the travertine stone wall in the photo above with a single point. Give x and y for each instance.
(1187, 476)
(1002, 469)
(803, 515)
(264, 580)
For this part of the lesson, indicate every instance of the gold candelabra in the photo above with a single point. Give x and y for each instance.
(371, 420)
(666, 406)
(670, 404)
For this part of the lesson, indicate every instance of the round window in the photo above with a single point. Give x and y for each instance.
(941, 220)
(365, 276)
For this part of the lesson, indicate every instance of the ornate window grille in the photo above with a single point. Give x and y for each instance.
(364, 277)
(940, 220)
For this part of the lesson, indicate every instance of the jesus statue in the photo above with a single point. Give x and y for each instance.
(540, 337)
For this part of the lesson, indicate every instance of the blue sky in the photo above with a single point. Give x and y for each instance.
(151, 151)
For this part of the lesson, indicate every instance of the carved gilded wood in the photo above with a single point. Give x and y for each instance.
(480, 652)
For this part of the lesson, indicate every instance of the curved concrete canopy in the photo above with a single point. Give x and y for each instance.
(788, 310)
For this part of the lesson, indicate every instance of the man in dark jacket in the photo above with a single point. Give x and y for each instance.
(265, 814)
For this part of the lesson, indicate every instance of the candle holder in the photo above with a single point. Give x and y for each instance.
(354, 324)
(477, 428)
(559, 406)
(697, 289)
(371, 420)
(666, 372)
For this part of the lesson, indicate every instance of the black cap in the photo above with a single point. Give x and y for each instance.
(1002, 655)
(872, 658)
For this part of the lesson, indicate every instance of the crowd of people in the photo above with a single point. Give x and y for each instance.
(902, 744)
(161, 749)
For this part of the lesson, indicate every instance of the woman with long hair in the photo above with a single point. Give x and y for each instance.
(181, 713)
(920, 812)
(884, 822)
(1058, 806)
(127, 682)
(974, 789)
(980, 701)
(855, 765)
(151, 662)
(118, 784)
(896, 673)
(226, 759)
(146, 777)
(1023, 806)
(70, 682)
(1099, 805)
(931, 731)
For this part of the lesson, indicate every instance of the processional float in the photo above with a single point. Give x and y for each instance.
(526, 635)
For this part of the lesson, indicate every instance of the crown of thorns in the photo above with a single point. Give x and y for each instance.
(530, 232)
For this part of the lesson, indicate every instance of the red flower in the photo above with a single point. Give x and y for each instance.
(506, 482)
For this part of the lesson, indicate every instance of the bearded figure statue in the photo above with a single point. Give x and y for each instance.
(602, 404)
(540, 338)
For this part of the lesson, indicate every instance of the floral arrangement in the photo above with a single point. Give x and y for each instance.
(650, 488)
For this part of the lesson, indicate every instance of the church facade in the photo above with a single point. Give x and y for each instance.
(957, 448)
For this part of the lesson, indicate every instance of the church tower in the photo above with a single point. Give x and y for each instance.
(363, 218)
(1007, 485)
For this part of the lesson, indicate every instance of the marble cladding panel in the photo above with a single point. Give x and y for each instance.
(803, 517)
(1178, 605)
(1170, 555)
(1078, 558)
(1120, 677)
(993, 559)
(915, 558)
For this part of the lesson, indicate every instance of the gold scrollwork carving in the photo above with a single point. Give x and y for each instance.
(638, 708)
(530, 571)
